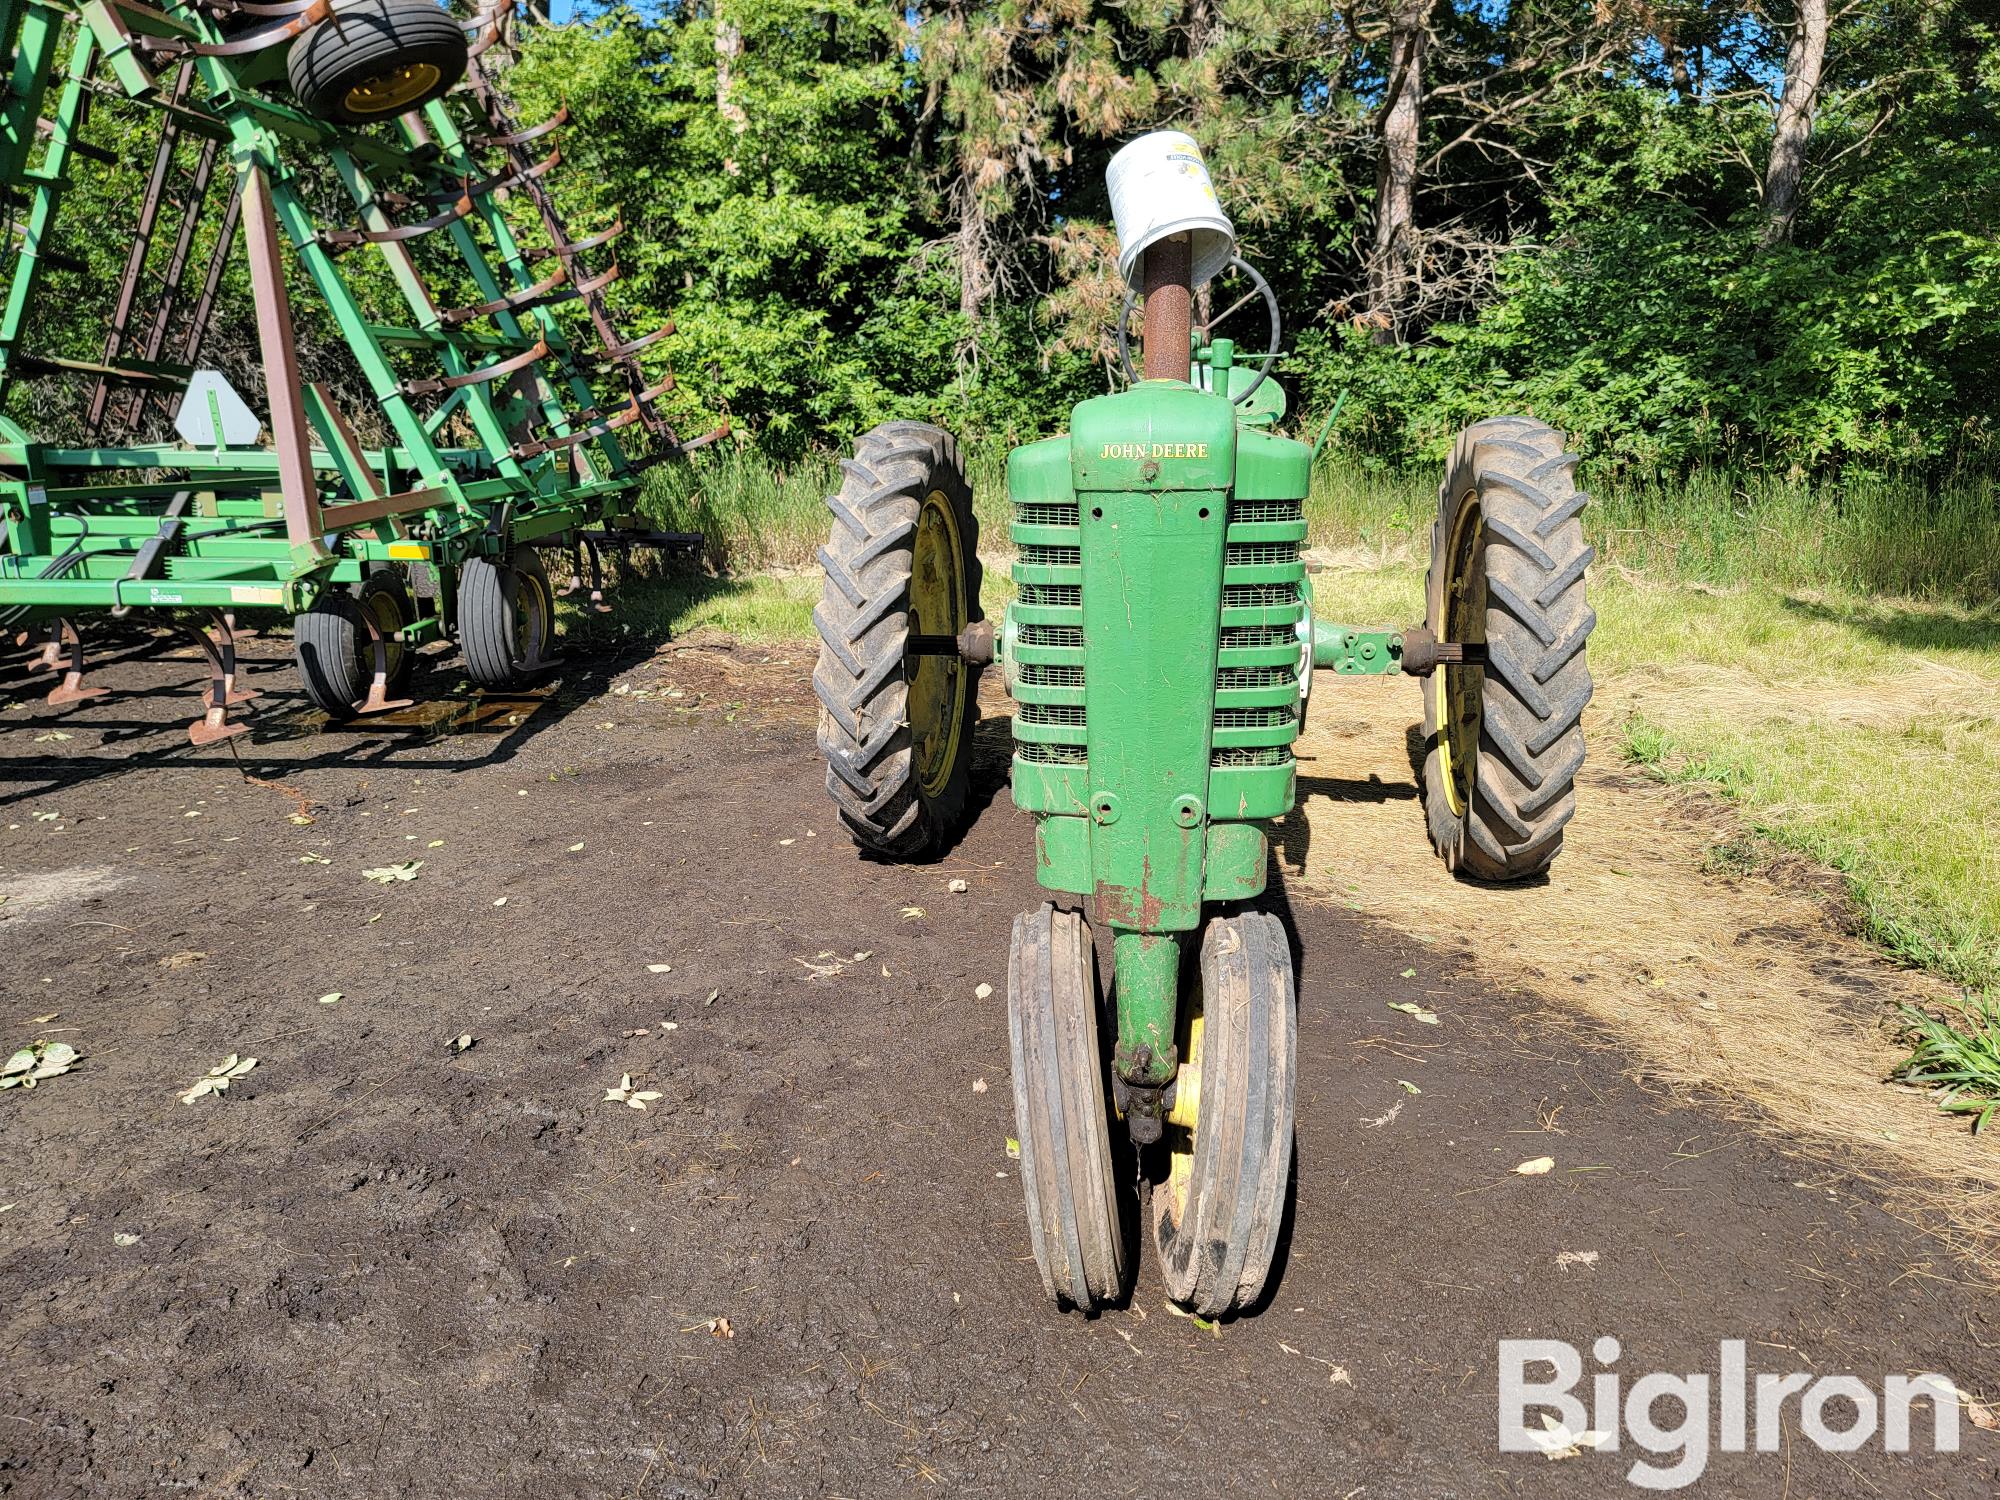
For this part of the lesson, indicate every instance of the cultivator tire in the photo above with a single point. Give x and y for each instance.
(506, 619)
(334, 650)
(375, 59)
(1059, 1114)
(1504, 740)
(1215, 1216)
(902, 559)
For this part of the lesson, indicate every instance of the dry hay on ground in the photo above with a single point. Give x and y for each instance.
(1745, 986)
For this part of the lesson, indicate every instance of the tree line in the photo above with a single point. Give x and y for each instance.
(1694, 232)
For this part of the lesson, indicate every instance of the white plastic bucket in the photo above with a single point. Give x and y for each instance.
(1159, 186)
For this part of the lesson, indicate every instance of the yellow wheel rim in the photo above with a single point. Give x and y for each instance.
(394, 91)
(938, 606)
(1182, 1121)
(1460, 690)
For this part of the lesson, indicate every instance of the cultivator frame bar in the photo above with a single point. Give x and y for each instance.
(116, 523)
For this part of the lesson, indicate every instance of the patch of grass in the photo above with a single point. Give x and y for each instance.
(758, 609)
(1901, 537)
(1904, 812)
(1958, 1055)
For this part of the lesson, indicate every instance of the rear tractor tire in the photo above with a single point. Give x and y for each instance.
(334, 648)
(506, 619)
(376, 59)
(902, 560)
(1504, 739)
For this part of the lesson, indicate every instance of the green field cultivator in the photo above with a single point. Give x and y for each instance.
(1160, 651)
(367, 145)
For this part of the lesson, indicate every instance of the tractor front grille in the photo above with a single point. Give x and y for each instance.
(1068, 594)
(1259, 755)
(1051, 713)
(1053, 635)
(1046, 674)
(1048, 678)
(1250, 554)
(1261, 571)
(1255, 677)
(1252, 511)
(1254, 718)
(1258, 595)
(1257, 637)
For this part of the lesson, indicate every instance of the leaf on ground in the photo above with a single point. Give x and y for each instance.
(125, 1241)
(314, 859)
(1416, 1012)
(959, 887)
(462, 1041)
(577, 847)
(1408, 974)
(979, 1085)
(1013, 1149)
(53, 734)
(711, 997)
(1567, 1258)
(390, 874)
(219, 1077)
(435, 844)
(982, 991)
(1408, 1087)
(501, 902)
(1214, 1328)
(719, 1328)
(182, 959)
(303, 820)
(1539, 1166)
(331, 997)
(625, 1094)
(38, 1060)
(659, 968)
(913, 913)
(670, 1026)
(1557, 1441)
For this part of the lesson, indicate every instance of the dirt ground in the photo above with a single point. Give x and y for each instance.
(381, 1266)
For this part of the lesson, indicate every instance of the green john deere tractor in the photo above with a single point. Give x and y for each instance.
(1160, 652)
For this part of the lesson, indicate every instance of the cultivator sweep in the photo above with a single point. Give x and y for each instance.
(369, 144)
(1160, 651)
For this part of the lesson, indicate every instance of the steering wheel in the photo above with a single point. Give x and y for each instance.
(1261, 287)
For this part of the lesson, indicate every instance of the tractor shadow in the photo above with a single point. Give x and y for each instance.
(1292, 835)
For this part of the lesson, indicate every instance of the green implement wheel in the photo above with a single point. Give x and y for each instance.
(1503, 738)
(902, 561)
(333, 643)
(1059, 1113)
(506, 618)
(1216, 1214)
(376, 59)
